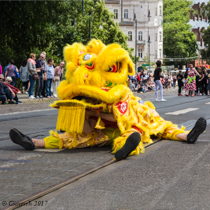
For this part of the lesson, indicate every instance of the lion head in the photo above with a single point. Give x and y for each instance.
(95, 71)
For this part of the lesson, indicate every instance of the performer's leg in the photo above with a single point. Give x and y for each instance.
(182, 136)
(174, 133)
(89, 126)
(128, 143)
(39, 143)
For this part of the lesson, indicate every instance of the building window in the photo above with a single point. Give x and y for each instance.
(160, 36)
(160, 53)
(156, 11)
(160, 10)
(140, 37)
(126, 14)
(115, 13)
(140, 53)
(155, 36)
(130, 35)
(155, 53)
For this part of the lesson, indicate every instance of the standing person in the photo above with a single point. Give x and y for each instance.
(49, 76)
(167, 82)
(199, 82)
(44, 81)
(31, 65)
(190, 83)
(24, 77)
(40, 63)
(204, 81)
(174, 81)
(11, 72)
(208, 85)
(56, 80)
(5, 68)
(157, 75)
(0, 68)
(180, 82)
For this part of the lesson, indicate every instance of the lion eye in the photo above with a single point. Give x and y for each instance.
(116, 68)
(113, 68)
(87, 57)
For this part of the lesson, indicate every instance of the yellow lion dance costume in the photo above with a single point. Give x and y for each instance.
(96, 79)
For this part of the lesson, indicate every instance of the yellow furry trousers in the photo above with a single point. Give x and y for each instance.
(107, 136)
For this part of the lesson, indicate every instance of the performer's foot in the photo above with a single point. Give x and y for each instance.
(131, 143)
(200, 127)
(18, 138)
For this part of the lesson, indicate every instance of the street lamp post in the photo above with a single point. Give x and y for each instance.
(149, 42)
(149, 49)
(135, 41)
(82, 6)
(90, 25)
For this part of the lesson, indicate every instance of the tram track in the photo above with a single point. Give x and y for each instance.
(68, 182)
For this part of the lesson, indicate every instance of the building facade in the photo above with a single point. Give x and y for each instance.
(199, 21)
(142, 22)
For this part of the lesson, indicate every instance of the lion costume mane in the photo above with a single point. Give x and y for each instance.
(96, 79)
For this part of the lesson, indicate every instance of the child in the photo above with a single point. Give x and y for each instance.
(208, 85)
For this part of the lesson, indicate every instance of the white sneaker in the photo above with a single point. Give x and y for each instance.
(55, 96)
(157, 100)
(163, 99)
(31, 97)
(26, 92)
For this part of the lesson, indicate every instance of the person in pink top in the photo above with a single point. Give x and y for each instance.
(56, 81)
(190, 83)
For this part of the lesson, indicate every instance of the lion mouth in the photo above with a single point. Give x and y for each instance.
(87, 100)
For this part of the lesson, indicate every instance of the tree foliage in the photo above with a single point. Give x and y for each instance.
(34, 26)
(178, 39)
(206, 38)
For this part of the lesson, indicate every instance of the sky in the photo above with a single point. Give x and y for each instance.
(201, 1)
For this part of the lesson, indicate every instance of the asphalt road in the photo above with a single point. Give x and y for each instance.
(169, 175)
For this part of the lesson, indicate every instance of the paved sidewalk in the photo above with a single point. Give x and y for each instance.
(38, 104)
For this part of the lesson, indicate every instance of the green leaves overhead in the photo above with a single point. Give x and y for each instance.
(178, 39)
(34, 26)
(206, 37)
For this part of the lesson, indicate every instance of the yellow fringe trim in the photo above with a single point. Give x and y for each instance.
(74, 102)
(71, 119)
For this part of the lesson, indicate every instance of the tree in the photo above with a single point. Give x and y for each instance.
(206, 38)
(178, 39)
(103, 27)
(34, 26)
(25, 25)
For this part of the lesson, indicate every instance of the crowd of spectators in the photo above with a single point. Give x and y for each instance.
(196, 81)
(40, 78)
(144, 82)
